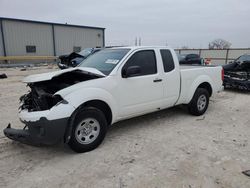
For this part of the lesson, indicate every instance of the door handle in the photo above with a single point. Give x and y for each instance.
(157, 80)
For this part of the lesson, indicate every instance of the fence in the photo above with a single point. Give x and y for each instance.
(218, 57)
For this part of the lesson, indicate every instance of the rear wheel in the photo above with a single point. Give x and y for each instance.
(89, 130)
(199, 102)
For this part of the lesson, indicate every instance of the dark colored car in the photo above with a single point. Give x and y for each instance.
(74, 59)
(190, 59)
(237, 73)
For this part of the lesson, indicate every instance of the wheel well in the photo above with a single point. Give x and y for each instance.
(207, 86)
(104, 107)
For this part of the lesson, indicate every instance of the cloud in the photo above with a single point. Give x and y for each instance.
(193, 23)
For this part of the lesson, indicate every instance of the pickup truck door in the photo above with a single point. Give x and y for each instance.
(171, 77)
(143, 91)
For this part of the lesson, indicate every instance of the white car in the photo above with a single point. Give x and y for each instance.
(77, 105)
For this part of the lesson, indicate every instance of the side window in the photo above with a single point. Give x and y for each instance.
(145, 60)
(167, 59)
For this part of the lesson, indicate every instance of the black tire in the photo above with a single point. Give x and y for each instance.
(87, 113)
(193, 106)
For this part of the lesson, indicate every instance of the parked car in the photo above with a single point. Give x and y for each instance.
(237, 73)
(77, 105)
(74, 59)
(190, 59)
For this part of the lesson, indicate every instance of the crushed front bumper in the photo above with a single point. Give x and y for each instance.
(42, 127)
(39, 132)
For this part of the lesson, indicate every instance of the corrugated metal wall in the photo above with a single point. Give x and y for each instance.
(68, 37)
(1, 42)
(49, 38)
(19, 34)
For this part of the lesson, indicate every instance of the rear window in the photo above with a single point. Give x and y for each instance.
(167, 60)
(244, 58)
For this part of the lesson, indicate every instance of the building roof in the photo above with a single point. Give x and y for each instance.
(52, 23)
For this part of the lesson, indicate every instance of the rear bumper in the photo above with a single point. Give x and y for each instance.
(42, 131)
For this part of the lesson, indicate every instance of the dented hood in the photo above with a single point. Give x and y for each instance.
(49, 75)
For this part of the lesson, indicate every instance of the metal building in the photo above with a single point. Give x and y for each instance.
(26, 37)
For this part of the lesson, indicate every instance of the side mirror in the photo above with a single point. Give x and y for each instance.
(131, 71)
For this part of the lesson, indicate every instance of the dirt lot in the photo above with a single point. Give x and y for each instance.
(165, 149)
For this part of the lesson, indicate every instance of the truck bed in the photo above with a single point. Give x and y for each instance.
(194, 66)
(190, 74)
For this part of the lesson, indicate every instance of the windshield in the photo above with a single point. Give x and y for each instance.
(243, 58)
(85, 52)
(104, 60)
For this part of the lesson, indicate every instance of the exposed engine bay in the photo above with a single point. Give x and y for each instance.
(41, 96)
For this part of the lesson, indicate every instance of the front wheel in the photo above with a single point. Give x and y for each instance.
(199, 102)
(89, 130)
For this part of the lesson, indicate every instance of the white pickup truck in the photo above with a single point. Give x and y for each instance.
(77, 105)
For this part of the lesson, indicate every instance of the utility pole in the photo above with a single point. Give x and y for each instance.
(135, 41)
(140, 41)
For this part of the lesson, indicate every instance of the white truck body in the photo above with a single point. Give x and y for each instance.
(129, 96)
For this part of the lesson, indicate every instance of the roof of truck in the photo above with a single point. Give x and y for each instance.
(142, 47)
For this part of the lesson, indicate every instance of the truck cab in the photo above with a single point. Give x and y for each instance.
(144, 75)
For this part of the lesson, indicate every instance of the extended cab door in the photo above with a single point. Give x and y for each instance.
(142, 91)
(171, 77)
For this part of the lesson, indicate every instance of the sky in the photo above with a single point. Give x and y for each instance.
(177, 23)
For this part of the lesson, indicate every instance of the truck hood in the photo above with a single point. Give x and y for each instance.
(48, 76)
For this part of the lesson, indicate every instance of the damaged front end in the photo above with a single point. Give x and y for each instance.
(237, 75)
(237, 79)
(38, 99)
(40, 132)
(44, 113)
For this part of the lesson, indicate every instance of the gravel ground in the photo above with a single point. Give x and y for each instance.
(169, 148)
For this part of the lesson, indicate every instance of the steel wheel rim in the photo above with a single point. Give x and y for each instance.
(87, 131)
(202, 102)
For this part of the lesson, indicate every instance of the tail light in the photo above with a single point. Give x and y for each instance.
(222, 74)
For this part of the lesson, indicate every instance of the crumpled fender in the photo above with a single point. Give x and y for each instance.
(59, 111)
